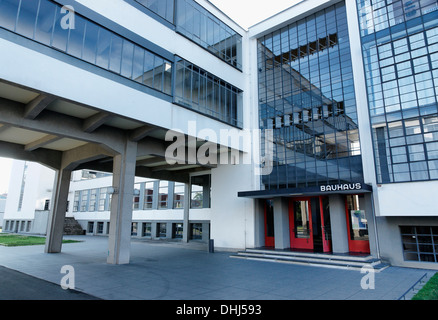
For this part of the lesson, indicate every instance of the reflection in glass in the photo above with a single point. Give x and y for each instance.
(306, 96)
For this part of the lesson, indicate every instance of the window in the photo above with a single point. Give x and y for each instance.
(147, 229)
(200, 192)
(200, 26)
(76, 201)
(84, 200)
(93, 200)
(46, 205)
(90, 227)
(196, 231)
(100, 228)
(136, 204)
(420, 243)
(103, 196)
(23, 185)
(163, 194)
(178, 196)
(201, 91)
(163, 8)
(134, 226)
(161, 230)
(41, 20)
(177, 230)
(148, 195)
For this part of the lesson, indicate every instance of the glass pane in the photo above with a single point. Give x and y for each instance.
(301, 219)
(8, 13)
(27, 18)
(116, 53)
(127, 58)
(76, 38)
(44, 24)
(90, 42)
(103, 48)
(60, 35)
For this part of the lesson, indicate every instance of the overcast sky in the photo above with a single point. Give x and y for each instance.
(249, 12)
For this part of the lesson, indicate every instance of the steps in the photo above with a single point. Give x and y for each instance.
(72, 227)
(339, 261)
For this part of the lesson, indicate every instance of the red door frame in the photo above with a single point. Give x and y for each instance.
(356, 246)
(307, 243)
(326, 243)
(300, 243)
(269, 241)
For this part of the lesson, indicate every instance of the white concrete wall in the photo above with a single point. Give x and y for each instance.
(408, 199)
(38, 187)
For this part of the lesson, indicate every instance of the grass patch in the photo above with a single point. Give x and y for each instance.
(16, 240)
(429, 290)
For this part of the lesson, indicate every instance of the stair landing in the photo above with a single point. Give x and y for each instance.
(340, 261)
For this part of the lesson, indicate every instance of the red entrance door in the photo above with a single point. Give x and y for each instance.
(309, 222)
(357, 225)
(300, 220)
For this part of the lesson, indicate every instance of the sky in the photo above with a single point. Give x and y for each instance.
(249, 12)
(244, 12)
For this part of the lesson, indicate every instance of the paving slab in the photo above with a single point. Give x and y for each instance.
(175, 271)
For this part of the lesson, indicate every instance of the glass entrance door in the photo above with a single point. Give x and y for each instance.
(300, 219)
(309, 220)
(357, 225)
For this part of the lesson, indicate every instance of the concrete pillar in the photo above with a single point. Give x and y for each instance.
(55, 227)
(338, 223)
(366, 204)
(281, 223)
(119, 241)
(186, 225)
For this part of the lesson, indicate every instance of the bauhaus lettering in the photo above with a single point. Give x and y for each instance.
(341, 187)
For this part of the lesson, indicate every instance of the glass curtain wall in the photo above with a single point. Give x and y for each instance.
(42, 21)
(164, 8)
(306, 95)
(400, 50)
(200, 90)
(200, 26)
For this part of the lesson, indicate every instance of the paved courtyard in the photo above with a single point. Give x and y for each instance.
(176, 271)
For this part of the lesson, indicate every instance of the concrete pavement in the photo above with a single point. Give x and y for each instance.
(176, 271)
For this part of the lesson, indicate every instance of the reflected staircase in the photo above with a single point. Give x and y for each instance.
(340, 261)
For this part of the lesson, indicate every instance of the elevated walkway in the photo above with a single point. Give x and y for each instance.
(340, 261)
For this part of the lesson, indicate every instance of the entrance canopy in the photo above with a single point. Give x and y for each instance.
(345, 188)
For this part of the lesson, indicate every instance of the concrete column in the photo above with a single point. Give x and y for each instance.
(119, 241)
(338, 223)
(366, 204)
(55, 227)
(281, 223)
(186, 224)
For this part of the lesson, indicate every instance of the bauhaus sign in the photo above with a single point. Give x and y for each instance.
(341, 187)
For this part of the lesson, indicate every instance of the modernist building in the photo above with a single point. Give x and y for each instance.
(338, 98)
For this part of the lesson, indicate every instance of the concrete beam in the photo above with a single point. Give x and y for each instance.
(83, 154)
(37, 105)
(59, 125)
(4, 127)
(41, 142)
(92, 123)
(49, 158)
(141, 133)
